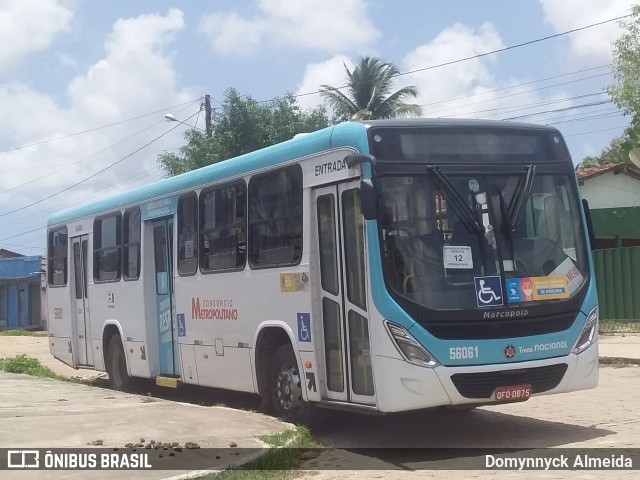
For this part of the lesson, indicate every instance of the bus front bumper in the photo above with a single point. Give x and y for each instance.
(420, 387)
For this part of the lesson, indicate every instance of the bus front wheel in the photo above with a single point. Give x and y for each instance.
(286, 387)
(119, 379)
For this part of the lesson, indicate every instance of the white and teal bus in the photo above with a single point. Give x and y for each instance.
(380, 266)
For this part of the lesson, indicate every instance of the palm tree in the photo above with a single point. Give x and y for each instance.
(369, 98)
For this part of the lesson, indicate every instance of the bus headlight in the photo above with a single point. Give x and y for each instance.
(589, 332)
(409, 347)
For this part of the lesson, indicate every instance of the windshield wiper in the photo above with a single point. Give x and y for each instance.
(458, 202)
(520, 197)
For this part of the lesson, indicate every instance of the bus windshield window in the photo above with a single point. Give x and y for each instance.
(433, 256)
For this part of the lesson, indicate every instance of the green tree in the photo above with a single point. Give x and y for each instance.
(369, 93)
(626, 65)
(618, 150)
(625, 93)
(242, 125)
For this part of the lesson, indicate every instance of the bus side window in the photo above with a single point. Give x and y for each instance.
(131, 244)
(223, 228)
(187, 234)
(275, 218)
(57, 269)
(107, 248)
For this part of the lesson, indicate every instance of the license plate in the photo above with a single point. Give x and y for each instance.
(513, 393)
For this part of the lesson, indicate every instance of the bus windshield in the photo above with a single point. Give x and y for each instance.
(453, 240)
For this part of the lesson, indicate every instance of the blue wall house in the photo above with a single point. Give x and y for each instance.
(21, 292)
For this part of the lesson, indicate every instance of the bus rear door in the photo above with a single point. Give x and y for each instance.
(80, 302)
(341, 292)
(167, 330)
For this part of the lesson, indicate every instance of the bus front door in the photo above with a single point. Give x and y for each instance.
(167, 331)
(82, 330)
(341, 294)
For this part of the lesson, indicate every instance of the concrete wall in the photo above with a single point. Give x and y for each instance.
(611, 191)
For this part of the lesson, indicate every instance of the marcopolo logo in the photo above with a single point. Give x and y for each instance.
(505, 314)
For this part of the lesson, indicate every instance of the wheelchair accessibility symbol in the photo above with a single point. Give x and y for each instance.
(488, 291)
(304, 327)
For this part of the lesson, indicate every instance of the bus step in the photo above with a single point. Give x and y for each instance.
(170, 382)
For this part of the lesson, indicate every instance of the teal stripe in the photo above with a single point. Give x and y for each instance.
(351, 134)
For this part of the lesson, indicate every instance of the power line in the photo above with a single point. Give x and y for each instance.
(81, 160)
(584, 105)
(595, 131)
(526, 106)
(522, 85)
(95, 128)
(480, 55)
(511, 47)
(95, 174)
(89, 156)
(153, 176)
(520, 93)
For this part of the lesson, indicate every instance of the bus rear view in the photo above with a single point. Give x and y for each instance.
(488, 292)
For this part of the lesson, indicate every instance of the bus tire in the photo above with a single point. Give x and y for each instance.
(116, 362)
(285, 386)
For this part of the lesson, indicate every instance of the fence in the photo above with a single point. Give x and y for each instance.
(618, 281)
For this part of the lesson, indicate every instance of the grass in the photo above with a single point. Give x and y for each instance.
(19, 332)
(28, 366)
(281, 462)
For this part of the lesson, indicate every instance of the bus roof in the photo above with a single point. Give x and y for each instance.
(351, 134)
(345, 134)
(457, 122)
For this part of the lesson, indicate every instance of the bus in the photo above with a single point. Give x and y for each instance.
(377, 266)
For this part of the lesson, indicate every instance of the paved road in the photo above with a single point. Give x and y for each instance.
(43, 413)
(605, 417)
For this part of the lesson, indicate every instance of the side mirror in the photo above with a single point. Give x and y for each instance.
(587, 216)
(368, 199)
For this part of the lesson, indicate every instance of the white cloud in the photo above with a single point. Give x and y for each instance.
(593, 44)
(438, 86)
(65, 60)
(27, 26)
(330, 72)
(463, 89)
(334, 26)
(136, 72)
(135, 77)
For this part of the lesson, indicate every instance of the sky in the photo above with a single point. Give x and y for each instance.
(85, 85)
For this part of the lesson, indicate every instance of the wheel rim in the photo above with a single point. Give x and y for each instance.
(288, 389)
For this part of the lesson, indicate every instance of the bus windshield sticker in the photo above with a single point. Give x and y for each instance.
(304, 327)
(457, 257)
(488, 291)
(571, 272)
(529, 289)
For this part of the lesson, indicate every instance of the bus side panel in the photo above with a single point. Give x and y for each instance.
(221, 315)
(216, 325)
(222, 366)
(120, 303)
(60, 323)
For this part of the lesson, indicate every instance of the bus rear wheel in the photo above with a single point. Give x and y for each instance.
(116, 362)
(286, 388)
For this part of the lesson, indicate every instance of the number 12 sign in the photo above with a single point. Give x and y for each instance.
(457, 257)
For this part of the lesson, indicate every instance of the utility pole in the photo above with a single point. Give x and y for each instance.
(207, 113)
